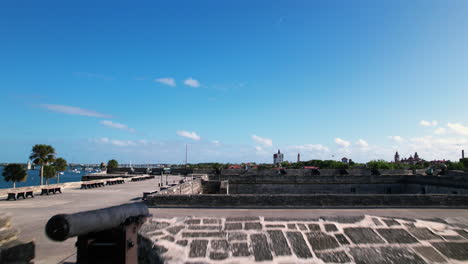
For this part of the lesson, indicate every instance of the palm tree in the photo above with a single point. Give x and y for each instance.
(49, 172)
(14, 173)
(42, 155)
(60, 165)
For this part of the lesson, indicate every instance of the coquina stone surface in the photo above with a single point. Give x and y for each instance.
(363, 239)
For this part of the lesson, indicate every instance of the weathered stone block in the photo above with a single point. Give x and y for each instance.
(298, 244)
(280, 245)
(430, 254)
(314, 227)
(202, 234)
(385, 255)
(330, 228)
(198, 248)
(218, 255)
(175, 229)
(391, 222)
(240, 249)
(219, 245)
(232, 226)
(342, 239)
(399, 236)
(423, 233)
(261, 250)
(252, 226)
(232, 236)
(334, 257)
(321, 241)
(454, 250)
(362, 235)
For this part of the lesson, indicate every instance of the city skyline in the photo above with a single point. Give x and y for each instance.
(326, 79)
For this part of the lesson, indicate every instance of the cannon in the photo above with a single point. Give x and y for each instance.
(107, 235)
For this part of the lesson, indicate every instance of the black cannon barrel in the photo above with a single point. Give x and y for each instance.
(63, 226)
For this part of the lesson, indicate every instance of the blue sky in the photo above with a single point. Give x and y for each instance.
(235, 80)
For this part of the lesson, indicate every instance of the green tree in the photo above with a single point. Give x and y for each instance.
(42, 155)
(60, 165)
(49, 172)
(464, 161)
(112, 164)
(14, 173)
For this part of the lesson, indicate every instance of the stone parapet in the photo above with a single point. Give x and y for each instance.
(308, 201)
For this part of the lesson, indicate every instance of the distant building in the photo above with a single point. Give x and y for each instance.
(411, 160)
(397, 157)
(278, 158)
(29, 165)
(298, 157)
(345, 160)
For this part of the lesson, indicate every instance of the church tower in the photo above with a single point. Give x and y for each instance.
(397, 157)
(298, 157)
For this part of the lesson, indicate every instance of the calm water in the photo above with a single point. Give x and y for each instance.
(34, 179)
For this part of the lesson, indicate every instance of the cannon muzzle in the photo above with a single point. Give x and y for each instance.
(63, 226)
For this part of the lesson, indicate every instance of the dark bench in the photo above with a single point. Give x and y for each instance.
(92, 184)
(115, 181)
(50, 190)
(15, 195)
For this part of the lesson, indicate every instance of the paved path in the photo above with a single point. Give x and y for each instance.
(31, 215)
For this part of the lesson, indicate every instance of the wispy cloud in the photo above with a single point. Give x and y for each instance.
(116, 125)
(166, 81)
(397, 139)
(264, 141)
(216, 142)
(192, 82)
(440, 131)
(311, 147)
(362, 143)
(458, 128)
(73, 110)
(342, 143)
(428, 123)
(93, 75)
(187, 134)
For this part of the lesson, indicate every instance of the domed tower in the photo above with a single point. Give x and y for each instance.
(416, 156)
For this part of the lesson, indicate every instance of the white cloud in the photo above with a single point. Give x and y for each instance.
(104, 140)
(187, 134)
(72, 110)
(264, 141)
(192, 82)
(458, 128)
(342, 143)
(428, 123)
(216, 142)
(122, 143)
(311, 147)
(109, 123)
(259, 149)
(166, 81)
(362, 143)
(397, 139)
(440, 131)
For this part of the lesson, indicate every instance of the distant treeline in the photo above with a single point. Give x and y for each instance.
(333, 164)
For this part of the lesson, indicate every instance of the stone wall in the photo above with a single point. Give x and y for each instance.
(13, 250)
(189, 187)
(308, 201)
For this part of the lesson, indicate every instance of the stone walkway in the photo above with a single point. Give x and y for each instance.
(351, 239)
